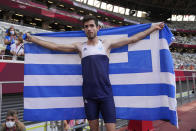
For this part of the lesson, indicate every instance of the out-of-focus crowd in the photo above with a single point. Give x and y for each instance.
(185, 39)
(185, 61)
(14, 44)
(11, 40)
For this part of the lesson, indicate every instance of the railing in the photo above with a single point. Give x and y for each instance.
(1, 87)
(185, 89)
(11, 58)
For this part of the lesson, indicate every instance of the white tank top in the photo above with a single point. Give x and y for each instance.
(97, 49)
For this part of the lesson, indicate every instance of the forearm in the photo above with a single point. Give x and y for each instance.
(142, 35)
(133, 39)
(6, 42)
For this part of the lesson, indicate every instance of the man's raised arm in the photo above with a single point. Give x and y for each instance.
(135, 38)
(53, 46)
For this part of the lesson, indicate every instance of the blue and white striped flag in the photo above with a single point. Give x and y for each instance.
(141, 74)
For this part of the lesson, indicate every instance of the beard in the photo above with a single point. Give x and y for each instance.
(91, 36)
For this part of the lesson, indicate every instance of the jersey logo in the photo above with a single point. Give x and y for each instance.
(100, 48)
(85, 49)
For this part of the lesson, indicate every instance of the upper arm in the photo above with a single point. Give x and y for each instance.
(67, 47)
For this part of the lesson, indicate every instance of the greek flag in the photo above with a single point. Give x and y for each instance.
(141, 74)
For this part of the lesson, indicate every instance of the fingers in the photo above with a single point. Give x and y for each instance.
(161, 25)
(28, 38)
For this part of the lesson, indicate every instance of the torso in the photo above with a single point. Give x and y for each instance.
(95, 71)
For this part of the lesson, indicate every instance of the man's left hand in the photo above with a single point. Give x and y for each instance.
(159, 26)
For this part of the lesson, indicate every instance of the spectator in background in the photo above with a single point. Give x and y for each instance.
(12, 123)
(9, 40)
(17, 49)
(6, 32)
(68, 125)
(79, 122)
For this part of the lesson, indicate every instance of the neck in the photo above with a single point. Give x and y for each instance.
(92, 41)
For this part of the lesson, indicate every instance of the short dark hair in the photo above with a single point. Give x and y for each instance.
(12, 113)
(90, 17)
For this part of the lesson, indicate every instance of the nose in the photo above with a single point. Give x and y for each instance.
(88, 28)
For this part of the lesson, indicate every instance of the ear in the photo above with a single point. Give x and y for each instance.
(98, 27)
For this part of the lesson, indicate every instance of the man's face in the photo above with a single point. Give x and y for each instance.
(90, 29)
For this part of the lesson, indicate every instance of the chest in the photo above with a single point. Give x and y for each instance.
(97, 49)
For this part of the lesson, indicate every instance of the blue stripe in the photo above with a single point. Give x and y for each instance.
(62, 34)
(144, 90)
(130, 30)
(52, 91)
(166, 62)
(52, 69)
(150, 114)
(53, 114)
(138, 62)
(165, 33)
(118, 90)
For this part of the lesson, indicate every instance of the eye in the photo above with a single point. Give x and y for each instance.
(9, 119)
(92, 25)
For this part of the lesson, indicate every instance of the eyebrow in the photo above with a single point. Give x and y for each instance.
(89, 25)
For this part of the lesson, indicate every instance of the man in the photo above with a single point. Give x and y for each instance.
(17, 49)
(12, 123)
(97, 91)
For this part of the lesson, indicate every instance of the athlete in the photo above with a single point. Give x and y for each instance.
(94, 53)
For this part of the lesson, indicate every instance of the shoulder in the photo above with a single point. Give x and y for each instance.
(78, 45)
(3, 127)
(106, 43)
(21, 126)
(7, 37)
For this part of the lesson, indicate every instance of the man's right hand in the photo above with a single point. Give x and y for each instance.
(29, 37)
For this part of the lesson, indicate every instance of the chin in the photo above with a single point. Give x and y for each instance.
(91, 38)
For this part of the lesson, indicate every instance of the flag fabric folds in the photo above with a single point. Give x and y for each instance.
(141, 74)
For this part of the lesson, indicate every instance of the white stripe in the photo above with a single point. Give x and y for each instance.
(53, 102)
(119, 57)
(52, 59)
(52, 80)
(116, 79)
(120, 101)
(149, 44)
(68, 58)
(145, 101)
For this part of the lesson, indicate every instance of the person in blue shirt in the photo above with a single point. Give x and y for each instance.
(10, 39)
(94, 53)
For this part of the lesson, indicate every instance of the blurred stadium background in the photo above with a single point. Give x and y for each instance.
(36, 16)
